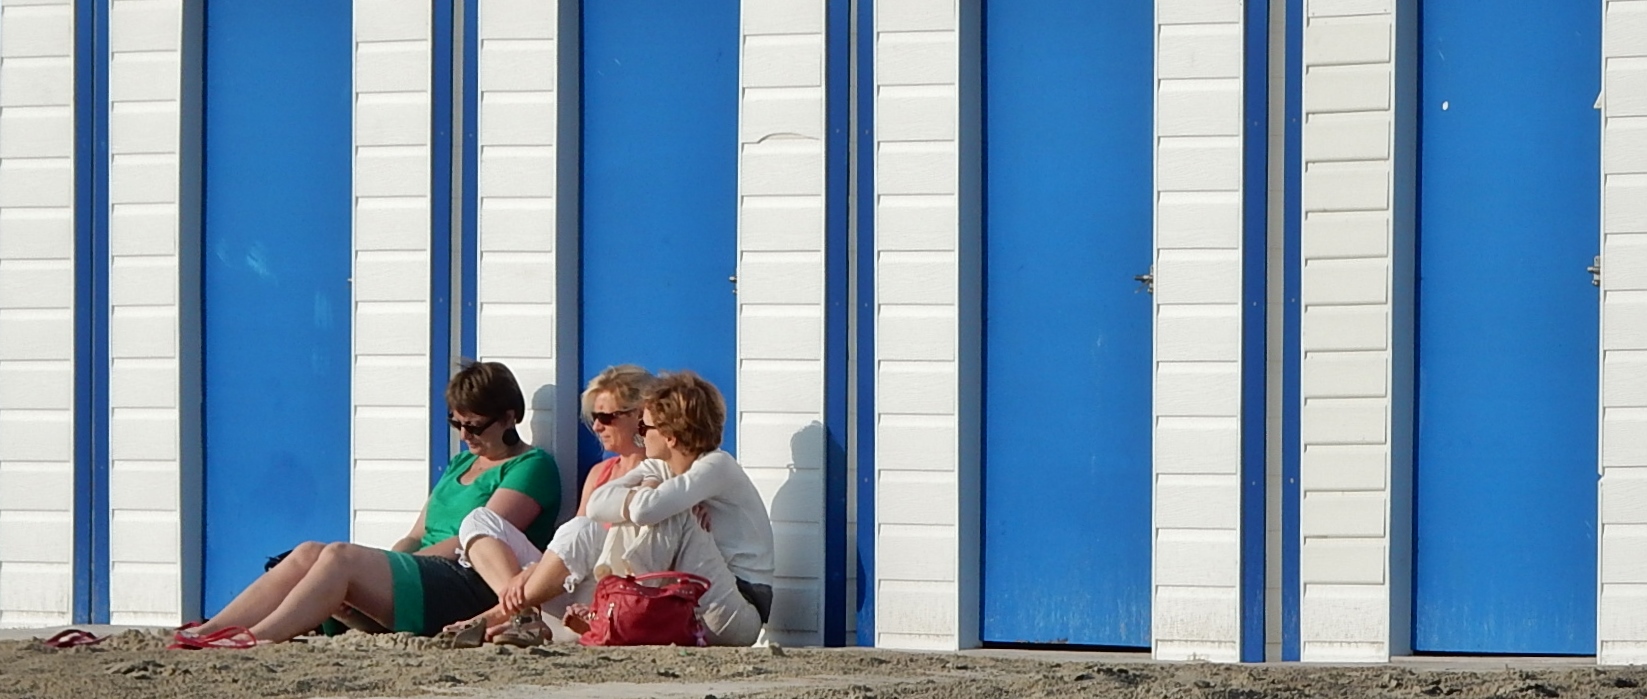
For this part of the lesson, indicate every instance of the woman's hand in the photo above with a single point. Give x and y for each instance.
(513, 597)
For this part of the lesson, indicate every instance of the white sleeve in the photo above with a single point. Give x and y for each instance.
(606, 503)
(711, 475)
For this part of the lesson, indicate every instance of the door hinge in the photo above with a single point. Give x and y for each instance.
(734, 280)
(1146, 280)
(1595, 272)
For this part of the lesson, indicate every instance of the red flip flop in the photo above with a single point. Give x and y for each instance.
(232, 638)
(72, 638)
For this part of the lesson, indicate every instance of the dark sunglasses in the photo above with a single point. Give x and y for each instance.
(471, 429)
(609, 418)
(642, 428)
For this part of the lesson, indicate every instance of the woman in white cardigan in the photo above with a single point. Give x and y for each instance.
(691, 508)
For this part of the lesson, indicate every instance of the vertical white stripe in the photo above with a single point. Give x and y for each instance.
(1352, 464)
(145, 305)
(1196, 600)
(926, 549)
(528, 266)
(1622, 573)
(37, 305)
(782, 150)
(390, 309)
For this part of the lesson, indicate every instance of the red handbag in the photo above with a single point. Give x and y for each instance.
(655, 609)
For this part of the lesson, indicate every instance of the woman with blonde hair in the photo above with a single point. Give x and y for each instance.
(531, 578)
(691, 508)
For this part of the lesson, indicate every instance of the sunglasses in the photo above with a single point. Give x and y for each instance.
(642, 428)
(471, 429)
(609, 418)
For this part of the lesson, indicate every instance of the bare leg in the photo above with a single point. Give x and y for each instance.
(344, 573)
(545, 581)
(548, 580)
(261, 598)
(493, 560)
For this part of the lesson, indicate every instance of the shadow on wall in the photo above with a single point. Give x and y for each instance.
(541, 407)
(797, 594)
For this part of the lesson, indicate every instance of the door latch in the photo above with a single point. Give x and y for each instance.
(1595, 272)
(1146, 281)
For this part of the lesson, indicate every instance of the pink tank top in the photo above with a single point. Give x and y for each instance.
(601, 474)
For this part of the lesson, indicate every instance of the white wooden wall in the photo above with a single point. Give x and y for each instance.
(37, 301)
(1622, 613)
(146, 297)
(1196, 600)
(1352, 561)
(389, 396)
(782, 143)
(927, 549)
(527, 286)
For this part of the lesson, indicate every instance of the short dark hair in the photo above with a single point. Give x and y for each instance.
(688, 408)
(487, 389)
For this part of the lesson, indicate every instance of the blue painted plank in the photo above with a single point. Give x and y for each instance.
(837, 312)
(1291, 445)
(1507, 328)
(446, 58)
(866, 325)
(1068, 124)
(276, 289)
(90, 557)
(659, 191)
(1254, 331)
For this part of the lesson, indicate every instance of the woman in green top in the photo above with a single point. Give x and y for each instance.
(418, 585)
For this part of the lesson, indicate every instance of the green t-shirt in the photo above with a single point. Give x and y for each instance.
(532, 473)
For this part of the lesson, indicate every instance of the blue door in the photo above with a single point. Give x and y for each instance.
(660, 188)
(1507, 328)
(1069, 122)
(276, 283)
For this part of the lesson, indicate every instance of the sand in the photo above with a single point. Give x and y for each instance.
(136, 664)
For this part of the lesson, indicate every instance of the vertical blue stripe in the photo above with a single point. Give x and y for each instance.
(471, 172)
(1255, 235)
(85, 315)
(91, 361)
(1292, 226)
(99, 354)
(836, 277)
(865, 446)
(440, 238)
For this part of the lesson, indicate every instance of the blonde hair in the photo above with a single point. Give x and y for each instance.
(688, 408)
(627, 383)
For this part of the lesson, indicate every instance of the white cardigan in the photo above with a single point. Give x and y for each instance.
(737, 516)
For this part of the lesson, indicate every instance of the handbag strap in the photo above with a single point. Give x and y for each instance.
(688, 577)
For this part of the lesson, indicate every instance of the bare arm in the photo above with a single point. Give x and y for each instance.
(583, 500)
(515, 507)
(413, 538)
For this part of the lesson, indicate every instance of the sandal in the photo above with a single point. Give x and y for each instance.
(72, 638)
(578, 618)
(525, 631)
(231, 638)
(469, 634)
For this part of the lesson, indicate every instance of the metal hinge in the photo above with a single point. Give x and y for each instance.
(734, 280)
(1595, 272)
(1147, 280)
